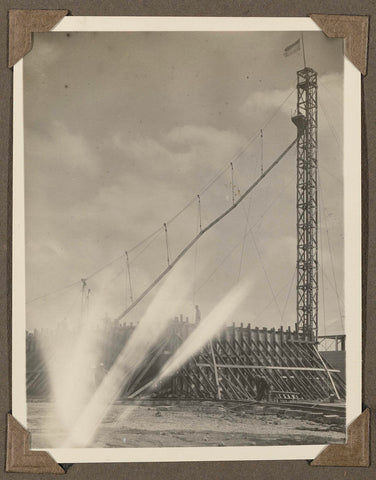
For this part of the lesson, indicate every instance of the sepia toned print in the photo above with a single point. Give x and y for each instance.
(184, 240)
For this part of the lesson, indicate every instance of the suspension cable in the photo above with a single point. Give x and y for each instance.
(247, 232)
(54, 292)
(204, 230)
(331, 254)
(322, 270)
(289, 292)
(232, 183)
(262, 151)
(199, 212)
(266, 274)
(215, 178)
(167, 250)
(129, 277)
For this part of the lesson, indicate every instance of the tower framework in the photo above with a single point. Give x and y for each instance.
(306, 204)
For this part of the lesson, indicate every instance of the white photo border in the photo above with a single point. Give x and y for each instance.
(352, 228)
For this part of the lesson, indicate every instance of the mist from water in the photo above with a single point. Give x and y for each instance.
(135, 352)
(80, 405)
(208, 328)
(71, 368)
(148, 332)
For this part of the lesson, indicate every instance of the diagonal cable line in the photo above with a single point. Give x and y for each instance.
(203, 231)
(266, 273)
(228, 254)
(331, 255)
(54, 292)
(150, 236)
(289, 292)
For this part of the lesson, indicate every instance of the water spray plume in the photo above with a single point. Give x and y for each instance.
(70, 368)
(207, 329)
(203, 333)
(145, 336)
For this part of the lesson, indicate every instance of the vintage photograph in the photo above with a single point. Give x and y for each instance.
(184, 239)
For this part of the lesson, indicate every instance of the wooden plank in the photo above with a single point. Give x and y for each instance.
(269, 367)
(295, 360)
(215, 371)
(297, 381)
(279, 382)
(328, 372)
(273, 379)
(233, 376)
(205, 378)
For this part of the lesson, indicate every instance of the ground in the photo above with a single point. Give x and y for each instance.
(191, 424)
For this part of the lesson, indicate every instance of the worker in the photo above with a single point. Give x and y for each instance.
(262, 388)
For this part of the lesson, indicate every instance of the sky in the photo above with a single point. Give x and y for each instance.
(124, 130)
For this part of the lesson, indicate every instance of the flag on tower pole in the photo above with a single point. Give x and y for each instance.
(293, 48)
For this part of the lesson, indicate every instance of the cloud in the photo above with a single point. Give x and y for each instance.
(181, 150)
(268, 100)
(135, 136)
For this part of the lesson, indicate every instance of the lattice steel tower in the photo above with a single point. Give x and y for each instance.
(306, 203)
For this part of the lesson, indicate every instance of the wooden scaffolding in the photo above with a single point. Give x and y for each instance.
(228, 367)
(231, 365)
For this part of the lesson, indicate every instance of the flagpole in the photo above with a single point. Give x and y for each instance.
(304, 60)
